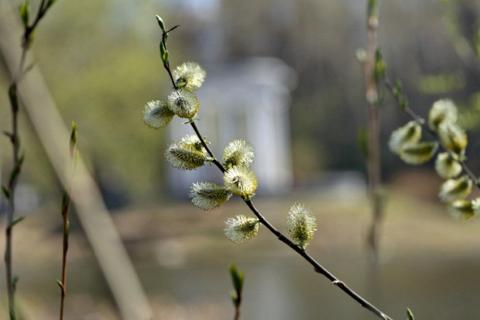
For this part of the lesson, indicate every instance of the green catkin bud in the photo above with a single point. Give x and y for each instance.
(188, 154)
(411, 133)
(24, 11)
(240, 181)
(442, 111)
(465, 209)
(237, 153)
(156, 114)
(206, 195)
(183, 103)
(446, 166)
(241, 228)
(418, 153)
(301, 225)
(160, 23)
(455, 189)
(453, 138)
(189, 75)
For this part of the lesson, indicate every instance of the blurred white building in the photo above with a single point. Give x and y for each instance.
(244, 101)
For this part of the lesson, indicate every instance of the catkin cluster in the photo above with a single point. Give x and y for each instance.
(407, 143)
(238, 179)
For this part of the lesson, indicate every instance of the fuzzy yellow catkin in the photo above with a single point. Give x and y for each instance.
(410, 133)
(301, 225)
(189, 75)
(418, 153)
(453, 138)
(465, 208)
(206, 195)
(237, 153)
(241, 181)
(241, 228)
(187, 154)
(156, 114)
(447, 167)
(442, 111)
(183, 103)
(455, 189)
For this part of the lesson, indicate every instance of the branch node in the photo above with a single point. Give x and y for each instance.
(338, 283)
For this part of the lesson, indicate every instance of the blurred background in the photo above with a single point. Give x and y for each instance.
(283, 75)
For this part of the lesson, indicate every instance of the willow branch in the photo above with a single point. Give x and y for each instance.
(66, 203)
(318, 268)
(373, 147)
(9, 190)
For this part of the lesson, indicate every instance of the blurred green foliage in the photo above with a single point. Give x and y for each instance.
(100, 60)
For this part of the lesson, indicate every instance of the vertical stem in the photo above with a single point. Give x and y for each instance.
(373, 155)
(12, 183)
(237, 313)
(17, 158)
(66, 224)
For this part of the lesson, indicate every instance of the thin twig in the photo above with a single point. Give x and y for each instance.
(17, 156)
(17, 161)
(66, 202)
(236, 316)
(66, 226)
(30, 28)
(263, 220)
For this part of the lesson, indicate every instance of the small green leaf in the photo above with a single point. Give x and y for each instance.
(73, 133)
(237, 278)
(73, 138)
(410, 315)
(160, 22)
(372, 8)
(6, 192)
(380, 67)
(16, 170)
(25, 12)
(234, 297)
(15, 282)
(399, 95)
(398, 88)
(164, 52)
(165, 56)
(362, 141)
